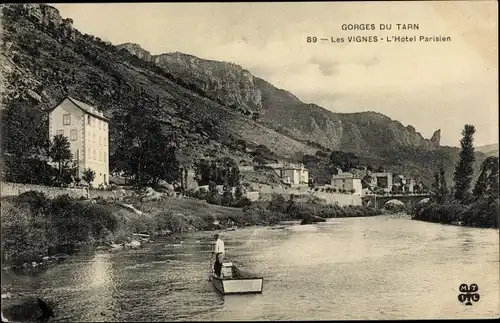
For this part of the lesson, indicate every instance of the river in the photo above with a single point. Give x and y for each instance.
(352, 268)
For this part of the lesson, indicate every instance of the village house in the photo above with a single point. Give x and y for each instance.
(87, 131)
(347, 182)
(382, 181)
(294, 174)
(403, 184)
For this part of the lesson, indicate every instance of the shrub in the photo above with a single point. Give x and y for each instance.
(36, 200)
(34, 225)
(175, 222)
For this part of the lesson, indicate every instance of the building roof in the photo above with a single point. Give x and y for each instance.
(293, 167)
(345, 175)
(381, 174)
(86, 108)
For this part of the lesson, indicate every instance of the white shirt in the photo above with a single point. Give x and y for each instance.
(219, 246)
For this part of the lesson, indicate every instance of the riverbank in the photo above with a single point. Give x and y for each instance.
(167, 281)
(39, 232)
(481, 214)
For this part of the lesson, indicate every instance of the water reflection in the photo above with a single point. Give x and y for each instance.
(466, 239)
(97, 286)
(373, 268)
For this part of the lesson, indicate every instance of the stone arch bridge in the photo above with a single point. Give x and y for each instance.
(409, 200)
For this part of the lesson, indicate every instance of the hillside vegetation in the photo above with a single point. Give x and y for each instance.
(208, 108)
(42, 65)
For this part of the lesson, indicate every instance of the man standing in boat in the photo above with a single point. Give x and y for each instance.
(219, 254)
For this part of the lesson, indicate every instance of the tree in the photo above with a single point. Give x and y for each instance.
(213, 194)
(185, 179)
(60, 153)
(202, 172)
(366, 181)
(88, 176)
(146, 152)
(23, 129)
(463, 170)
(487, 183)
(220, 171)
(21, 169)
(442, 191)
(259, 160)
(24, 138)
(436, 184)
(278, 203)
(396, 189)
(344, 161)
(234, 171)
(238, 193)
(227, 195)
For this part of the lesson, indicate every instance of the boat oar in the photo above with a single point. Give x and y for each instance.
(210, 269)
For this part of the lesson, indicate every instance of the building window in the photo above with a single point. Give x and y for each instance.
(67, 119)
(94, 155)
(104, 157)
(89, 120)
(60, 132)
(89, 153)
(93, 137)
(73, 134)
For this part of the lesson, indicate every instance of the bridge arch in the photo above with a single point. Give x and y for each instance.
(422, 201)
(379, 201)
(391, 201)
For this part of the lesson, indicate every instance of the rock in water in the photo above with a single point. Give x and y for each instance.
(312, 219)
(26, 309)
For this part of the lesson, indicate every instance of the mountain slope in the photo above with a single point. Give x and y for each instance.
(46, 58)
(380, 140)
(208, 105)
(489, 150)
(363, 133)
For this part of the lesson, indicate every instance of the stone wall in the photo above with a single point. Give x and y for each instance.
(328, 198)
(340, 199)
(15, 189)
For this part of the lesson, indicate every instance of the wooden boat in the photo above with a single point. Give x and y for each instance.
(234, 281)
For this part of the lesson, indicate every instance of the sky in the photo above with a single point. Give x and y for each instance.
(440, 85)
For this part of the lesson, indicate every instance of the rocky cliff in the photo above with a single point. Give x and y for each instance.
(436, 138)
(227, 83)
(364, 133)
(136, 50)
(48, 17)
